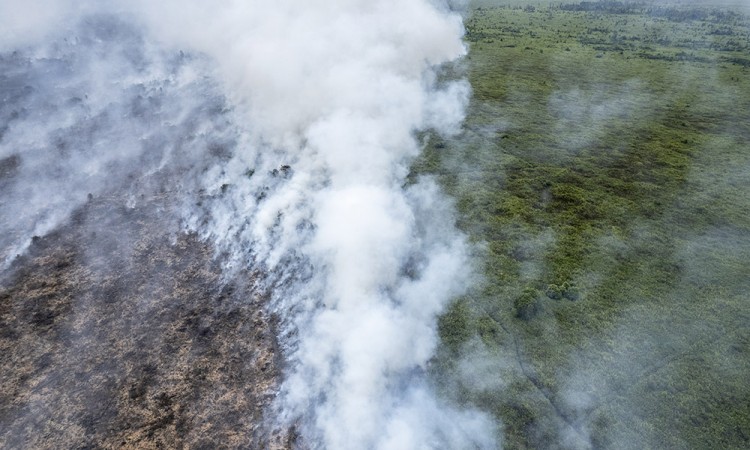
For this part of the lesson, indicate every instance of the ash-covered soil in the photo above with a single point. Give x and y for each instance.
(117, 330)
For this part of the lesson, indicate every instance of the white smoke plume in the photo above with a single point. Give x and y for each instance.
(328, 96)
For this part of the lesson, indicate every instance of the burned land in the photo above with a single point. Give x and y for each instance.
(119, 331)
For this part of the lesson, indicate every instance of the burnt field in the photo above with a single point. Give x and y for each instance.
(116, 330)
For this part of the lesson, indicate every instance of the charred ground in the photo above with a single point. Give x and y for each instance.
(118, 331)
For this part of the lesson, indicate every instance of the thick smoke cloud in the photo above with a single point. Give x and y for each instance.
(327, 97)
(334, 93)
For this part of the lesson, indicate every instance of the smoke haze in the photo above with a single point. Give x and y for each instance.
(288, 128)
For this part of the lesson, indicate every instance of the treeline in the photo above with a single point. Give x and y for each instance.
(674, 14)
(610, 7)
(686, 15)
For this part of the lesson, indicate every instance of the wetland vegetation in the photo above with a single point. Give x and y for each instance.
(603, 173)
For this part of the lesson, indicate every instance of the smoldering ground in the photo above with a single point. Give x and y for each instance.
(117, 333)
(97, 112)
(118, 328)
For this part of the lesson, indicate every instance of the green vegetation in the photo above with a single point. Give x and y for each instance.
(527, 305)
(604, 173)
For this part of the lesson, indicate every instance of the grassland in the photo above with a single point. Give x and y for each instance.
(604, 175)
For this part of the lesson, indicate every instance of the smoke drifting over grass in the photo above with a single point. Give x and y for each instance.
(304, 179)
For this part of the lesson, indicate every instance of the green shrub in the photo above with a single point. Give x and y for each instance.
(570, 291)
(527, 305)
(454, 326)
(554, 292)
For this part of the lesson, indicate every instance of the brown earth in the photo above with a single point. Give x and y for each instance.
(117, 330)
